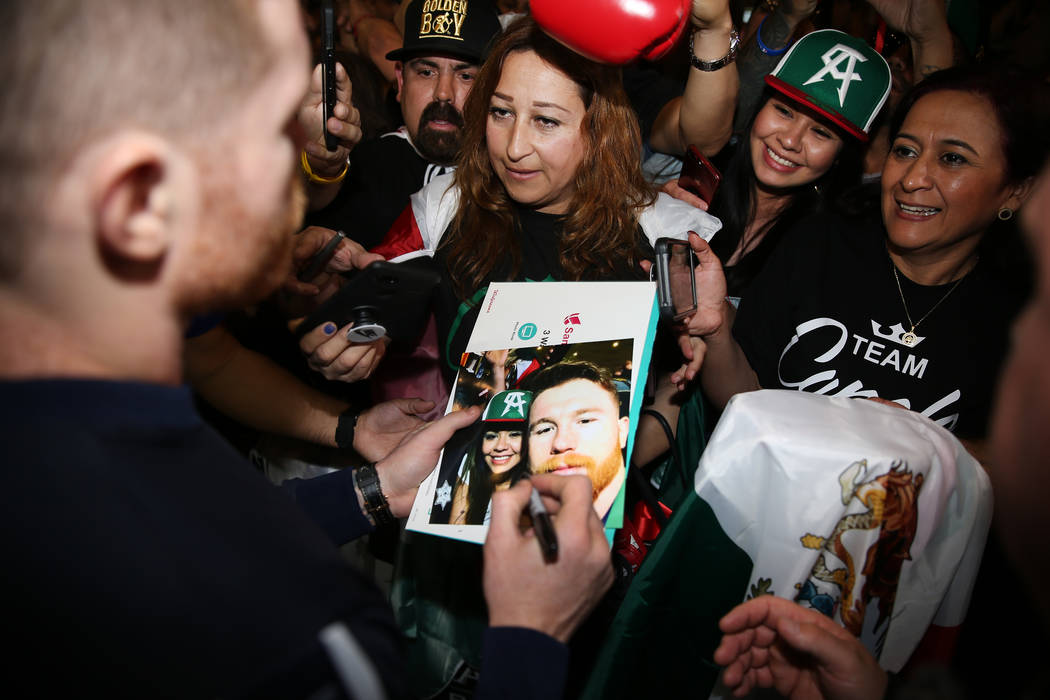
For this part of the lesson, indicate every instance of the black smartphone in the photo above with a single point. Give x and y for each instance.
(675, 282)
(328, 68)
(383, 300)
(699, 176)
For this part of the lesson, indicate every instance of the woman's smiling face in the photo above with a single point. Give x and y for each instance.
(789, 146)
(502, 449)
(944, 179)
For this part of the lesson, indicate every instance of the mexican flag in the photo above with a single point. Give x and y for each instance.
(871, 514)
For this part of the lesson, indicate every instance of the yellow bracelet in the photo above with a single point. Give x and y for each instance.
(318, 178)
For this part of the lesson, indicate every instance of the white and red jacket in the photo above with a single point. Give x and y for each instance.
(422, 224)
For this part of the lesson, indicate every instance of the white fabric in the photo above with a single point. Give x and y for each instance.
(782, 465)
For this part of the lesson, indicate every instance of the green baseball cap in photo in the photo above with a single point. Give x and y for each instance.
(838, 75)
(508, 406)
(459, 28)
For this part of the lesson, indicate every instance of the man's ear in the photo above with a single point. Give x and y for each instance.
(625, 428)
(399, 71)
(134, 200)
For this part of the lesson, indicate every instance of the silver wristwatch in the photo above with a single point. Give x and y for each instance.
(708, 66)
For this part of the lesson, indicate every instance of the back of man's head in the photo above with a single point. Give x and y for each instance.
(77, 71)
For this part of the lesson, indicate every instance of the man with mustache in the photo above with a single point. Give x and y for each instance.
(435, 69)
(575, 427)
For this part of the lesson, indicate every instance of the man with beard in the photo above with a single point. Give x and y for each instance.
(128, 574)
(575, 427)
(435, 69)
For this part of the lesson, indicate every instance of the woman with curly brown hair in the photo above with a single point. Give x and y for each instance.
(548, 184)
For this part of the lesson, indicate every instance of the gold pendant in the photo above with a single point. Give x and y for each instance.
(908, 338)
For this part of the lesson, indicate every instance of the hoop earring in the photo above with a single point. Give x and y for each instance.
(1005, 214)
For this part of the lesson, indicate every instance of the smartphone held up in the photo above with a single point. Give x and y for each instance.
(699, 175)
(675, 282)
(328, 69)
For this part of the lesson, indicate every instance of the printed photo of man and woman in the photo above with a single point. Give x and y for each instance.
(561, 409)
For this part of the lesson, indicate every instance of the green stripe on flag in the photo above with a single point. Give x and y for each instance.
(662, 639)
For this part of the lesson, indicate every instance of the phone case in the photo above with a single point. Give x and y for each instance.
(699, 175)
(328, 70)
(665, 299)
(394, 297)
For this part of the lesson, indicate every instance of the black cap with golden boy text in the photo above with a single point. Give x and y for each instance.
(458, 28)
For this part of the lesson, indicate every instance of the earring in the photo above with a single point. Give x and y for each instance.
(1005, 214)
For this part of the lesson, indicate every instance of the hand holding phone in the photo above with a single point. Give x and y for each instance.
(328, 69)
(675, 281)
(383, 300)
(699, 176)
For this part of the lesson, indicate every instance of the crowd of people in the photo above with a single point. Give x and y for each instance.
(878, 233)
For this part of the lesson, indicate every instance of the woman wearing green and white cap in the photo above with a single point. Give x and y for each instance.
(496, 460)
(800, 148)
(915, 312)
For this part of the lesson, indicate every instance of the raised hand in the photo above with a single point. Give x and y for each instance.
(704, 13)
(711, 307)
(775, 643)
(919, 19)
(344, 123)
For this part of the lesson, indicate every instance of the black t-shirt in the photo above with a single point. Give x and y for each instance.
(740, 274)
(537, 238)
(825, 316)
(383, 174)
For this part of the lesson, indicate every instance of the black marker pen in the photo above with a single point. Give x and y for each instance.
(319, 259)
(542, 525)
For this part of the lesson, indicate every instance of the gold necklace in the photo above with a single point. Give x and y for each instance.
(909, 338)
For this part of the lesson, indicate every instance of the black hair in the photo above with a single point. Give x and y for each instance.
(735, 202)
(482, 480)
(1021, 104)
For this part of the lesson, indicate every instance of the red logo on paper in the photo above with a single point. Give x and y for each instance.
(573, 319)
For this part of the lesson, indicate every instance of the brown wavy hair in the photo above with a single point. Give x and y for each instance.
(600, 232)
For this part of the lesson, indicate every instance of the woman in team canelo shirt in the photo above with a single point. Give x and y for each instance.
(916, 313)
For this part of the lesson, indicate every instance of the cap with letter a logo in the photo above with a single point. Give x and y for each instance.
(456, 28)
(838, 75)
(508, 407)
